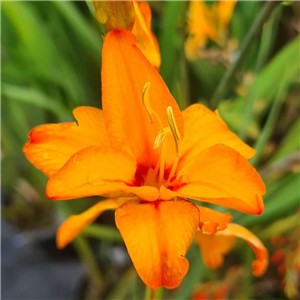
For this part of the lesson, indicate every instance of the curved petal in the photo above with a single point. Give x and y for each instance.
(203, 129)
(142, 30)
(220, 175)
(157, 236)
(125, 71)
(95, 170)
(72, 227)
(50, 146)
(262, 257)
(212, 221)
(115, 14)
(213, 248)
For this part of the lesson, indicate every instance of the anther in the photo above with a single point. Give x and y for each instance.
(174, 130)
(146, 100)
(161, 136)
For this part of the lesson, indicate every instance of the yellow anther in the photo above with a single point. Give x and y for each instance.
(161, 136)
(146, 100)
(174, 130)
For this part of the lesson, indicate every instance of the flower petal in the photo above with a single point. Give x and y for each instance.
(260, 264)
(92, 118)
(157, 236)
(125, 71)
(220, 175)
(212, 221)
(142, 30)
(69, 230)
(115, 14)
(95, 170)
(225, 10)
(203, 129)
(213, 248)
(50, 146)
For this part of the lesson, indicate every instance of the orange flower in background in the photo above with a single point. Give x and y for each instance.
(132, 16)
(207, 22)
(287, 256)
(115, 14)
(147, 156)
(226, 288)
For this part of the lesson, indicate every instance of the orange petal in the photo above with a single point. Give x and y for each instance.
(125, 71)
(225, 10)
(95, 170)
(50, 146)
(115, 14)
(142, 30)
(69, 230)
(220, 175)
(157, 236)
(203, 129)
(91, 118)
(211, 221)
(260, 264)
(213, 248)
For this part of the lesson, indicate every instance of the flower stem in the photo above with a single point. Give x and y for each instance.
(148, 292)
(86, 255)
(230, 73)
(270, 123)
(83, 249)
(103, 232)
(158, 293)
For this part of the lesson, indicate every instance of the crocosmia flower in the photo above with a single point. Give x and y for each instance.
(134, 16)
(148, 158)
(207, 22)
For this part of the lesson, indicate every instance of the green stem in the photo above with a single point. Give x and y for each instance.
(86, 255)
(267, 38)
(247, 282)
(148, 292)
(279, 227)
(158, 293)
(83, 248)
(230, 73)
(103, 232)
(269, 126)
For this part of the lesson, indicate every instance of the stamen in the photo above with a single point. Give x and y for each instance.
(161, 136)
(146, 101)
(161, 163)
(174, 130)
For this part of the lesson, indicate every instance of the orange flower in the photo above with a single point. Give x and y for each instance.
(132, 16)
(111, 153)
(215, 244)
(207, 22)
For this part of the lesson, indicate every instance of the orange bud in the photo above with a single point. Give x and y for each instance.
(115, 14)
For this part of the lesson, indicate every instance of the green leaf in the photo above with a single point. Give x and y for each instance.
(34, 97)
(290, 142)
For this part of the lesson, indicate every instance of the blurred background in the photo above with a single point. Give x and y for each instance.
(50, 64)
